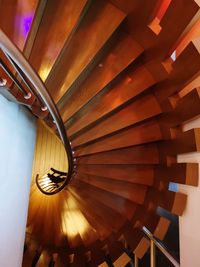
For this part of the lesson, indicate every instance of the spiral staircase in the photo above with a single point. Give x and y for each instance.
(123, 99)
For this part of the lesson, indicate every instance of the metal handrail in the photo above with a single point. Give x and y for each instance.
(12, 77)
(39, 89)
(161, 247)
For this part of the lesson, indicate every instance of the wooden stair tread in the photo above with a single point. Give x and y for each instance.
(186, 108)
(79, 222)
(145, 154)
(138, 174)
(139, 110)
(186, 10)
(53, 33)
(123, 52)
(101, 229)
(109, 216)
(179, 78)
(135, 83)
(145, 133)
(124, 103)
(81, 50)
(133, 192)
(122, 206)
(182, 173)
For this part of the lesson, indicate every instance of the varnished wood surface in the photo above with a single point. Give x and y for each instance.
(57, 23)
(139, 110)
(135, 83)
(146, 154)
(123, 260)
(143, 174)
(145, 133)
(102, 229)
(84, 229)
(109, 216)
(183, 142)
(16, 18)
(103, 18)
(49, 152)
(191, 32)
(185, 108)
(133, 8)
(179, 78)
(124, 51)
(187, 10)
(124, 206)
(34, 28)
(133, 192)
(124, 102)
(181, 173)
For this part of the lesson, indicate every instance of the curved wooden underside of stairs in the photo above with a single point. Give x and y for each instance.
(124, 101)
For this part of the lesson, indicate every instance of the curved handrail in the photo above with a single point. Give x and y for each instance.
(161, 247)
(15, 54)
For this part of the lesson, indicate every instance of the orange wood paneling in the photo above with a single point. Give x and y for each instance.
(139, 110)
(145, 133)
(123, 52)
(49, 152)
(103, 18)
(146, 154)
(58, 21)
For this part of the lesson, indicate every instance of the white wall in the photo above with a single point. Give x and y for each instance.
(189, 223)
(17, 138)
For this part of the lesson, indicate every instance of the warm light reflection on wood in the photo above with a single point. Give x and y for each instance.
(103, 18)
(59, 19)
(73, 221)
(45, 181)
(58, 220)
(44, 71)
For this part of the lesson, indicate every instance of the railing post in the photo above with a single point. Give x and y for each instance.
(136, 262)
(152, 253)
(155, 243)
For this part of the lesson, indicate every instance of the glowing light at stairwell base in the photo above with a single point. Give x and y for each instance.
(73, 221)
(45, 181)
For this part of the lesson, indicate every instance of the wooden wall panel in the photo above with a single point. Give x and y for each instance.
(49, 152)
